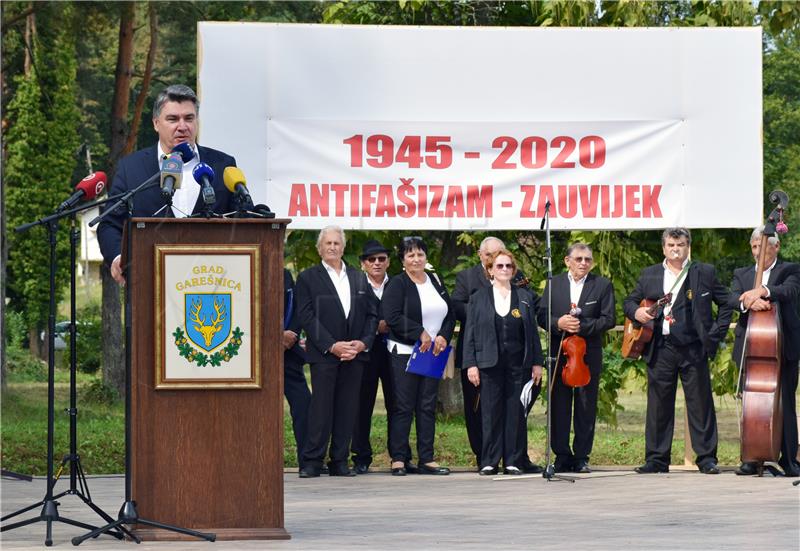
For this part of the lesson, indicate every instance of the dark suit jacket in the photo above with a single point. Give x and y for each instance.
(137, 167)
(468, 282)
(597, 306)
(290, 296)
(321, 315)
(784, 289)
(402, 310)
(480, 335)
(705, 289)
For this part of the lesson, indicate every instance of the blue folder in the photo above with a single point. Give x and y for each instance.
(426, 364)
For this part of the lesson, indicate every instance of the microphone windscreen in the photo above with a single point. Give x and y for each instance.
(202, 169)
(233, 175)
(185, 150)
(92, 186)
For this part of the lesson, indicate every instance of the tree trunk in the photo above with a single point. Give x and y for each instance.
(113, 343)
(148, 74)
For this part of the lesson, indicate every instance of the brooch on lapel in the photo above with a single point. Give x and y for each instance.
(689, 294)
(516, 313)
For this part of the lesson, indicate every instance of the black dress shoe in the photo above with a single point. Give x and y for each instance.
(361, 468)
(425, 469)
(562, 467)
(790, 471)
(709, 468)
(512, 470)
(532, 468)
(411, 468)
(340, 469)
(747, 469)
(652, 467)
(488, 470)
(324, 469)
(399, 471)
(309, 472)
(581, 467)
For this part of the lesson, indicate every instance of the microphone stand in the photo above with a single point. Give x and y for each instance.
(549, 471)
(49, 512)
(128, 513)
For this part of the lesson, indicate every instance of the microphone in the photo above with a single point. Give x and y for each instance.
(87, 189)
(204, 175)
(171, 174)
(185, 150)
(236, 183)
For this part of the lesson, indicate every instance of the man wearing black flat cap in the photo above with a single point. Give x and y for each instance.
(374, 261)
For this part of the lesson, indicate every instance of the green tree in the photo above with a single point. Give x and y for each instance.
(41, 141)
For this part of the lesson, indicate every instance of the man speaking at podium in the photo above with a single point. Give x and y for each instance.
(175, 116)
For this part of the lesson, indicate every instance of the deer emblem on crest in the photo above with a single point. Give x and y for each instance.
(207, 330)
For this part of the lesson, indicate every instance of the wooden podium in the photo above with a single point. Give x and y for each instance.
(204, 456)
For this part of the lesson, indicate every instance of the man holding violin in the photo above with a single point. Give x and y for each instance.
(780, 285)
(583, 305)
(685, 336)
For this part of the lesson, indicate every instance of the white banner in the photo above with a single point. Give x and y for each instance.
(480, 128)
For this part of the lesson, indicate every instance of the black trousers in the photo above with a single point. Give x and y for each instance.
(472, 415)
(415, 397)
(689, 362)
(297, 394)
(503, 419)
(332, 412)
(573, 408)
(378, 368)
(788, 391)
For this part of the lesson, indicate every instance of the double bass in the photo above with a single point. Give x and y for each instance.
(762, 416)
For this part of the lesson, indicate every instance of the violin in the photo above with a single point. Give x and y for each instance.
(575, 372)
(762, 416)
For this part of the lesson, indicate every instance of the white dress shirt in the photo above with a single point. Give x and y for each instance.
(672, 283)
(575, 288)
(185, 197)
(342, 285)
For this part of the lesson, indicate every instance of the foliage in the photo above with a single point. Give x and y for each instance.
(41, 138)
(98, 392)
(89, 340)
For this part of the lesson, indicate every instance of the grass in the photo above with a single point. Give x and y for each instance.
(101, 439)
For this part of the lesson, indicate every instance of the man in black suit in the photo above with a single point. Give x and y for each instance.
(374, 261)
(780, 288)
(468, 282)
(175, 115)
(339, 313)
(294, 357)
(686, 336)
(582, 304)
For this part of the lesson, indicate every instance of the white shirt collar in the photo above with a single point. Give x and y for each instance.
(578, 281)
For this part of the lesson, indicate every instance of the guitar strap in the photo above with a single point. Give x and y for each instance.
(668, 308)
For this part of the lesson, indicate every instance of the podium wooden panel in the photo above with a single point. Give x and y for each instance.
(208, 459)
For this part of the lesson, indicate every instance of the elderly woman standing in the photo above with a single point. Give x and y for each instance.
(416, 307)
(502, 351)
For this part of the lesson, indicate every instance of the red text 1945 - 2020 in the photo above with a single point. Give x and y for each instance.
(436, 152)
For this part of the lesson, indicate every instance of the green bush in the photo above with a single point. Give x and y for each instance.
(98, 392)
(90, 340)
(19, 361)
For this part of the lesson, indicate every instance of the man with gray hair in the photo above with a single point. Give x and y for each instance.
(686, 335)
(339, 313)
(780, 288)
(175, 117)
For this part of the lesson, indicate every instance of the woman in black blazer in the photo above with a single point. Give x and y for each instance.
(502, 351)
(416, 307)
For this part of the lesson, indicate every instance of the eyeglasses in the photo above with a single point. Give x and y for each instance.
(374, 259)
(412, 238)
(579, 259)
(503, 266)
